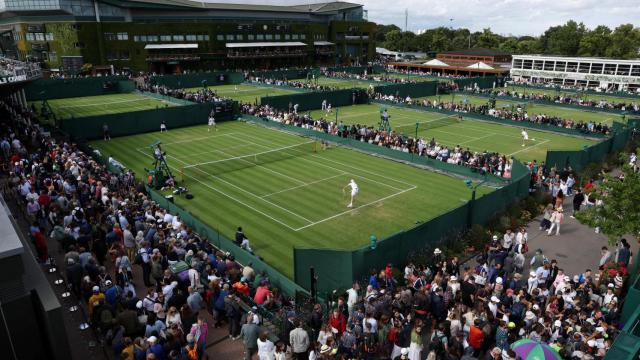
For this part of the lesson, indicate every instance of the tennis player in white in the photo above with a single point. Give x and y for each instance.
(354, 191)
(212, 123)
(525, 136)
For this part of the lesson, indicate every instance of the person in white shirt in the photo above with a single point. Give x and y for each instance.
(212, 123)
(352, 297)
(525, 136)
(354, 191)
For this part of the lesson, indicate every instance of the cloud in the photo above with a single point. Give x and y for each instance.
(517, 17)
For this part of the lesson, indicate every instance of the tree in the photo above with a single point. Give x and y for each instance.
(620, 213)
(564, 39)
(382, 30)
(487, 39)
(595, 42)
(528, 46)
(625, 42)
(509, 45)
(392, 39)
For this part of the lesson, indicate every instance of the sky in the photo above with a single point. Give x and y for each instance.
(515, 17)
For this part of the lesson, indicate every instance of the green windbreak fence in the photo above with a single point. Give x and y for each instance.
(360, 70)
(486, 82)
(313, 101)
(415, 90)
(285, 284)
(197, 79)
(137, 122)
(337, 269)
(489, 118)
(579, 159)
(45, 89)
(420, 161)
(281, 74)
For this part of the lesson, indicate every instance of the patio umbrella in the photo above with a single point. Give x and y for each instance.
(533, 350)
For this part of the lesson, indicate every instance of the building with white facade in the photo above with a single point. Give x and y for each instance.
(596, 73)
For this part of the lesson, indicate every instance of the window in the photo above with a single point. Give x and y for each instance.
(548, 65)
(596, 68)
(635, 70)
(143, 38)
(268, 37)
(76, 26)
(39, 36)
(123, 36)
(517, 63)
(584, 68)
(152, 38)
(165, 38)
(527, 64)
(30, 37)
(610, 69)
(136, 38)
(278, 36)
(201, 37)
(79, 45)
(109, 36)
(239, 37)
(220, 37)
(260, 37)
(303, 36)
(178, 37)
(48, 36)
(537, 64)
(251, 37)
(229, 37)
(191, 37)
(53, 56)
(124, 55)
(294, 37)
(561, 66)
(623, 69)
(572, 67)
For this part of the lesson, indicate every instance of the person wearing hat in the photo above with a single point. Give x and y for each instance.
(556, 219)
(96, 298)
(609, 296)
(155, 348)
(404, 354)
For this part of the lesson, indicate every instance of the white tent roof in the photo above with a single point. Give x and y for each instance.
(264, 44)
(170, 46)
(383, 51)
(435, 62)
(323, 43)
(480, 65)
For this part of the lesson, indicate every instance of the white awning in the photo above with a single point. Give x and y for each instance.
(322, 43)
(436, 62)
(480, 65)
(264, 44)
(170, 46)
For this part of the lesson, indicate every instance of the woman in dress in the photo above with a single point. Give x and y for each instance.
(415, 348)
(266, 348)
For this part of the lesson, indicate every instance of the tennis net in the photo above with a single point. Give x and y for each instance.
(236, 163)
(410, 129)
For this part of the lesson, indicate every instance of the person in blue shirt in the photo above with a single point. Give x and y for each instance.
(112, 294)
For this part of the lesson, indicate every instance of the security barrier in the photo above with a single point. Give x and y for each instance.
(197, 79)
(414, 90)
(89, 128)
(45, 89)
(312, 101)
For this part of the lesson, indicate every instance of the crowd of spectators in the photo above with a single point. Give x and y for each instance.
(516, 113)
(300, 84)
(567, 98)
(11, 68)
(485, 162)
(200, 96)
(554, 86)
(366, 77)
(107, 226)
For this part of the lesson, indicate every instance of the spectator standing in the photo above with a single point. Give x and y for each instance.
(299, 342)
(249, 334)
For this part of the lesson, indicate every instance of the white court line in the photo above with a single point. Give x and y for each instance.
(346, 165)
(423, 122)
(233, 198)
(530, 147)
(305, 184)
(249, 155)
(356, 208)
(480, 138)
(210, 151)
(191, 140)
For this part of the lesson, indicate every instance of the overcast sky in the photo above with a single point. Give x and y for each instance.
(517, 17)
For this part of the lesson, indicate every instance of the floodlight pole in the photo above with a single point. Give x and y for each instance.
(473, 200)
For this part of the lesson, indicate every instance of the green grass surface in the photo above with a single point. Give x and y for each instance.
(586, 96)
(474, 134)
(411, 77)
(347, 83)
(297, 201)
(247, 93)
(102, 105)
(584, 115)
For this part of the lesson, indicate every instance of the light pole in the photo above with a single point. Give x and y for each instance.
(470, 185)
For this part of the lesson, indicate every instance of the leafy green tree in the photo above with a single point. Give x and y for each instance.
(620, 213)
(564, 39)
(509, 45)
(625, 42)
(528, 46)
(382, 30)
(595, 42)
(487, 39)
(392, 39)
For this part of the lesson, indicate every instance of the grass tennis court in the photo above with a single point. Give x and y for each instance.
(474, 134)
(584, 115)
(411, 77)
(102, 104)
(284, 194)
(247, 93)
(586, 96)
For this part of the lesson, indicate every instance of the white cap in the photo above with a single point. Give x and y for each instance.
(437, 251)
(600, 329)
(498, 280)
(139, 304)
(152, 339)
(453, 278)
(495, 237)
(495, 299)
(536, 307)
(532, 273)
(404, 351)
(96, 289)
(557, 323)
(610, 286)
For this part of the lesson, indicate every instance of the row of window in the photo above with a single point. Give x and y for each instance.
(219, 37)
(118, 55)
(38, 36)
(116, 36)
(169, 38)
(260, 37)
(579, 67)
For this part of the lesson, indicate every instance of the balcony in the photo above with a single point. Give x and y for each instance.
(12, 71)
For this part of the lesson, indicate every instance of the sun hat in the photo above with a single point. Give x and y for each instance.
(557, 323)
(532, 274)
(495, 237)
(453, 278)
(325, 349)
(529, 315)
(536, 307)
(437, 251)
(494, 299)
(404, 351)
(610, 286)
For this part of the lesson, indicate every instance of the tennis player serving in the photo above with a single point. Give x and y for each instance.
(354, 191)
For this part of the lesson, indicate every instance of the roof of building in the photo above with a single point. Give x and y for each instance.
(475, 51)
(264, 44)
(318, 8)
(170, 46)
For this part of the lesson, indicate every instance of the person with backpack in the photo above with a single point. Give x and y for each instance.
(199, 331)
(439, 342)
(369, 342)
